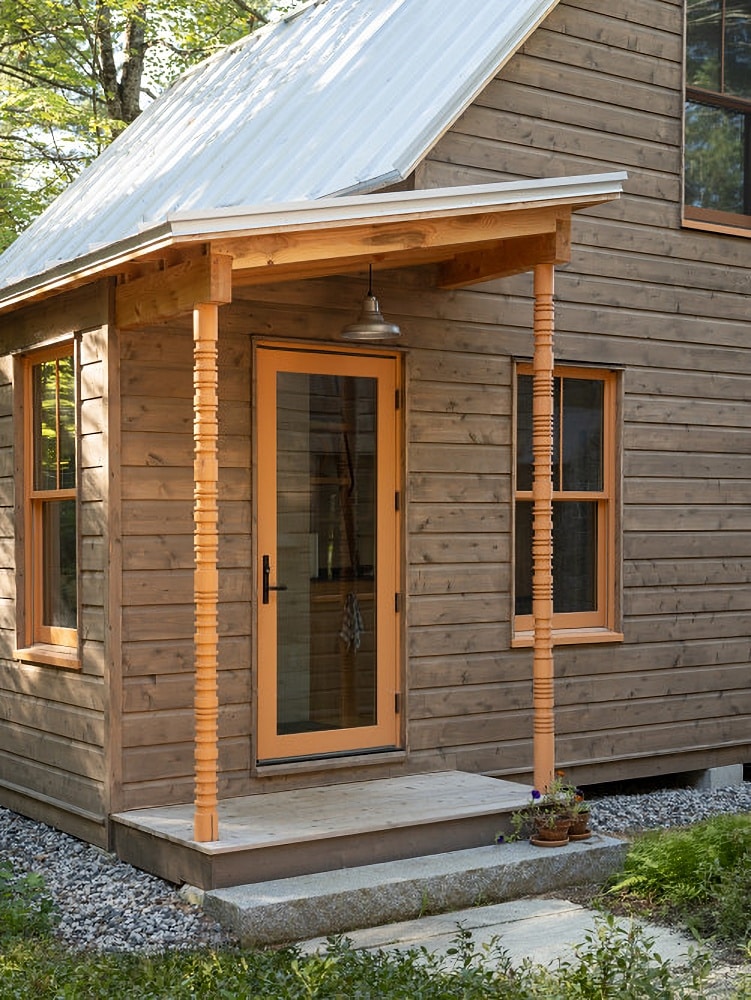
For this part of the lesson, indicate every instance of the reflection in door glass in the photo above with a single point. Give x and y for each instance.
(326, 516)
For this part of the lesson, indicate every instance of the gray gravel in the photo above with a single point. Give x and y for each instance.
(666, 808)
(110, 906)
(104, 904)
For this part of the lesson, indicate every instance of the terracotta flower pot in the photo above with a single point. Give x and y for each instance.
(579, 829)
(553, 832)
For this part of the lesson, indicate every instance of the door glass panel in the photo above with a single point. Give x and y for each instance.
(326, 517)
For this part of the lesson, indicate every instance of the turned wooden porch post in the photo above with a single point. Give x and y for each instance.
(206, 576)
(542, 529)
(205, 543)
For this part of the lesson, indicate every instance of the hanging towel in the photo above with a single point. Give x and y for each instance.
(352, 624)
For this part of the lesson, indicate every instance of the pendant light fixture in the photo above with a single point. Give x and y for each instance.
(370, 324)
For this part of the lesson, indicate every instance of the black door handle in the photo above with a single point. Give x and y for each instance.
(265, 576)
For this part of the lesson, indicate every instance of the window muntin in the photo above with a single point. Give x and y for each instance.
(583, 500)
(50, 463)
(717, 143)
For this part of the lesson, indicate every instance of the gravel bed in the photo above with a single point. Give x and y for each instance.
(110, 906)
(104, 904)
(666, 808)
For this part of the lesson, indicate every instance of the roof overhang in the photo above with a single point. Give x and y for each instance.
(476, 233)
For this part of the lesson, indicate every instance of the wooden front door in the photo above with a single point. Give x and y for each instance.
(327, 552)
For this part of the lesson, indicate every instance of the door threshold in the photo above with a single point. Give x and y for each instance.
(326, 762)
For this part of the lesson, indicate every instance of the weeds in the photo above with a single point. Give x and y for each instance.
(25, 909)
(702, 873)
(616, 961)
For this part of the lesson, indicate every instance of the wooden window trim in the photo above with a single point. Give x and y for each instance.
(53, 645)
(712, 220)
(599, 625)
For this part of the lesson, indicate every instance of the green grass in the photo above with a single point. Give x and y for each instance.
(616, 961)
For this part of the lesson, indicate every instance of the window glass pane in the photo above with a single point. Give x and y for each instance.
(556, 434)
(714, 158)
(524, 433)
(574, 557)
(67, 418)
(582, 434)
(54, 424)
(738, 48)
(523, 559)
(59, 562)
(703, 44)
(45, 425)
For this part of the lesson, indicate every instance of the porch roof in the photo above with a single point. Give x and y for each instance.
(339, 97)
(478, 232)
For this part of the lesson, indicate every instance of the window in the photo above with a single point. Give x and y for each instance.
(583, 502)
(50, 494)
(717, 170)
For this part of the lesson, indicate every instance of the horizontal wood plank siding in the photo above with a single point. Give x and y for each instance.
(53, 744)
(592, 90)
(157, 580)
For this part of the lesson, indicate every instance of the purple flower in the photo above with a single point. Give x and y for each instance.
(535, 794)
(500, 839)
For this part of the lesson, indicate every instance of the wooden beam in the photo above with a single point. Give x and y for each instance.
(543, 673)
(173, 291)
(431, 239)
(511, 256)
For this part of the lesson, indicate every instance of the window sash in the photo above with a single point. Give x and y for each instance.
(602, 615)
(50, 442)
(717, 105)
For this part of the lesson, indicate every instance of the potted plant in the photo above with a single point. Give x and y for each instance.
(548, 817)
(579, 829)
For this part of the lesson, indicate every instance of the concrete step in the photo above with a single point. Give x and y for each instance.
(335, 902)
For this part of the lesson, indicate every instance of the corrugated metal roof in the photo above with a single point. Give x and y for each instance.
(343, 96)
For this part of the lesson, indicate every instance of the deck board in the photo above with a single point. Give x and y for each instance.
(319, 829)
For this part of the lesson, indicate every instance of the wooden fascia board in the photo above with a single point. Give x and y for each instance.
(510, 256)
(166, 293)
(289, 254)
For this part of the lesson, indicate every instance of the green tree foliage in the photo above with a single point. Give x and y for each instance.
(75, 73)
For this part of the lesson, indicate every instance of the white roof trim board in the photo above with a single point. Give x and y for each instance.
(342, 96)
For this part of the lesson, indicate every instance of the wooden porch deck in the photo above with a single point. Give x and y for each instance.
(299, 832)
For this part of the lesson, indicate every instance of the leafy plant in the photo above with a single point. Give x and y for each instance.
(25, 909)
(559, 799)
(685, 864)
(615, 962)
(703, 872)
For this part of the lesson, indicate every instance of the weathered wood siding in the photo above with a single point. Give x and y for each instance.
(597, 89)
(53, 758)
(157, 578)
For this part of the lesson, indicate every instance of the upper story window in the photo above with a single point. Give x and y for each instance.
(584, 564)
(717, 170)
(50, 498)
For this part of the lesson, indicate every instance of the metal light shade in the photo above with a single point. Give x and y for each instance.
(370, 324)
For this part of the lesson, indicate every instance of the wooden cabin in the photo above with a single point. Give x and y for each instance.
(246, 557)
